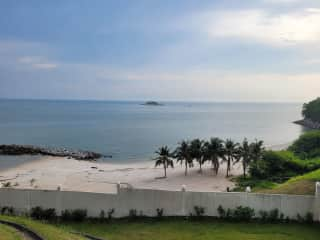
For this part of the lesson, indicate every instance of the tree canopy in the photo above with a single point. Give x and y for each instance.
(311, 110)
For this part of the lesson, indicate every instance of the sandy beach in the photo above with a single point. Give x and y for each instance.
(69, 174)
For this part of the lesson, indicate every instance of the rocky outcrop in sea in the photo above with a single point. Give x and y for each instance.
(14, 149)
(308, 123)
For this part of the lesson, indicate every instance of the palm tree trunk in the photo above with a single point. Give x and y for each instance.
(165, 170)
(200, 166)
(186, 170)
(228, 166)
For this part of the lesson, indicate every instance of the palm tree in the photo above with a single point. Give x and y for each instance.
(215, 150)
(183, 154)
(257, 150)
(164, 158)
(196, 148)
(245, 154)
(231, 153)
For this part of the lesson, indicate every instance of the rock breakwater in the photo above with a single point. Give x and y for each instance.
(14, 149)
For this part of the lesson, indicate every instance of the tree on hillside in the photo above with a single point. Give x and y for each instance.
(311, 110)
(215, 151)
(231, 153)
(183, 154)
(197, 153)
(164, 158)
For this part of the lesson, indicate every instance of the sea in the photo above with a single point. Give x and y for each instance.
(131, 131)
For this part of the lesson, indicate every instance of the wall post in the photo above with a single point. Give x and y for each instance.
(317, 203)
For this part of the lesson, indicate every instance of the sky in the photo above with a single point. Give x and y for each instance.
(166, 50)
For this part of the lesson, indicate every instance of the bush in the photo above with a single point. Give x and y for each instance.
(43, 214)
(307, 146)
(279, 166)
(199, 211)
(159, 212)
(132, 213)
(273, 215)
(66, 215)
(7, 210)
(243, 213)
(102, 215)
(110, 213)
(238, 214)
(221, 212)
(78, 215)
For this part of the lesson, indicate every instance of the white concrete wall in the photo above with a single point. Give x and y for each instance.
(174, 203)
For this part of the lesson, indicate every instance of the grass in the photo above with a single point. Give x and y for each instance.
(47, 231)
(304, 184)
(196, 230)
(169, 229)
(8, 233)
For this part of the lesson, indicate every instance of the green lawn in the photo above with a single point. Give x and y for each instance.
(168, 229)
(47, 231)
(8, 233)
(201, 230)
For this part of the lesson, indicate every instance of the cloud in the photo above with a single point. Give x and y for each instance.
(299, 27)
(37, 62)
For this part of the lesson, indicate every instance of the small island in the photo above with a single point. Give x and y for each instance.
(311, 115)
(152, 103)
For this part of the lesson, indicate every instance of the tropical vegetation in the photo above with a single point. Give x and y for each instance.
(311, 110)
(213, 151)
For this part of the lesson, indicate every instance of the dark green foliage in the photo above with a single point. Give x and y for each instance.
(243, 213)
(311, 110)
(77, 215)
(7, 210)
(199, 211)
(278, 166)
(39, 213)
(66, 215)
(273, 215)
(110, 213)
(159, 212)
(133, 213)
(102, 215)
(239, 214)
(307, 145)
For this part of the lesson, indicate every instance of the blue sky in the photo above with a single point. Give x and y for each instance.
(263, 50)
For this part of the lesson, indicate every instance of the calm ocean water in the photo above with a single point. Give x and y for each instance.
(130, 131)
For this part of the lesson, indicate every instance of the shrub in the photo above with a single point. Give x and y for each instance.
(221, 212)
(110, 213)
(132, 213)
(43, 214)
(243, 213)
(273, 215)
(309, 217)
(66, 215)
(159, 212)
(308, 145)
(264, 215)
(199, 211)
(7, 210)
(78, 215)
(102, 215)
